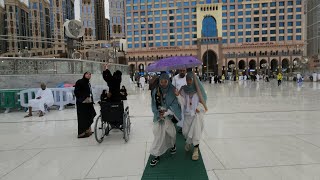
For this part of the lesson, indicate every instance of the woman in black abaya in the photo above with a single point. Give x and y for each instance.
(85, 109)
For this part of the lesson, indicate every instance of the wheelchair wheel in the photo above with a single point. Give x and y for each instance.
(126, 125)
(99, 129)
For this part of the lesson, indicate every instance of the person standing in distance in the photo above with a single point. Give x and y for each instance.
(178, 81)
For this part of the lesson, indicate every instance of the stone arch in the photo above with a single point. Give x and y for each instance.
(263, 61)
(274, 65)
(285, 65)
(252, 64)
(230, 62)
(241, 64)
(141, 67)
(296, 64)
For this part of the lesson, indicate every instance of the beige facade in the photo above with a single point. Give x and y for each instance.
(40, 27)
(2, 42)
(17, 29)
(247, 34)
(59, 44)
(88, 20)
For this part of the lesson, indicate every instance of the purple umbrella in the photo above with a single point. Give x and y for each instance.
(171, 63)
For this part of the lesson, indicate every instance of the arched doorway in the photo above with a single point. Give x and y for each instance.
(132, 68)
(242, 64)
(252, 65)
(285, 65)
(274, 65)
(209, 27)
(264, 66)
(263, 61)
(210, 57)
(231, 66)
(141, 69)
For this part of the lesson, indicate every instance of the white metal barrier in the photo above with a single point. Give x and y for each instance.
(62, 96)
(97, 91)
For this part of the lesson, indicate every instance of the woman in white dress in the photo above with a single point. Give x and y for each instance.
(167, 111)
(193, 101)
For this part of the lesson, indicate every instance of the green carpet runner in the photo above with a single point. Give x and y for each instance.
(179, 166)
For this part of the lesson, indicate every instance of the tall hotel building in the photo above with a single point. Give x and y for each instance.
(254, 35)
(88, 19)
(60, 11)
(313, 35)
(117, 18)
(16, 24)
(40, 30)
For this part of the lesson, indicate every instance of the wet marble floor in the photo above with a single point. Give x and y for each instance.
(253, 131)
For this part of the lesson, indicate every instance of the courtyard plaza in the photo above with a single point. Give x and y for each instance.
(252, 131)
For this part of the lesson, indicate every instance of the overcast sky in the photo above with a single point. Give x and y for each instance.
(77, 8)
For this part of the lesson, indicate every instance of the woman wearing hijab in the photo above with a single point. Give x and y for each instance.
(123, 92)
(85, 109)
(114, 82)
(166, 109)
(193, 104)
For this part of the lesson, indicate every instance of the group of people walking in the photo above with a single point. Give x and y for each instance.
(182, 101)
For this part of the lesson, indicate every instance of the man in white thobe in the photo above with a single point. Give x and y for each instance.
(142, 82)
(43, 100)
(178, 81)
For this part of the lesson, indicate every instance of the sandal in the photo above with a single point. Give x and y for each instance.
(195, 155)
(29, 115)
(85, 135)
(89, 133)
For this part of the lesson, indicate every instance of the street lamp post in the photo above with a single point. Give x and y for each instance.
(207, 57)
(207, 41)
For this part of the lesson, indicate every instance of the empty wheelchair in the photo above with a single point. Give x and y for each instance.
(113, 115)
